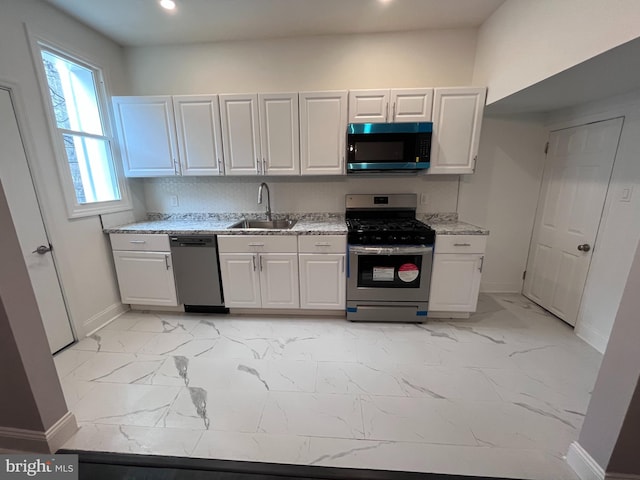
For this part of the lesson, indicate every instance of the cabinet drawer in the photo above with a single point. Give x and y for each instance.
(149, 242)
(460, 243)
(257, 243)
(322, 243)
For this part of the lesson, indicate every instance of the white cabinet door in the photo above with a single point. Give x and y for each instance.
(368, 106)
(240, 279)
(323, 132)
(279, 133)
(455, 282)
(240, 131)
(199, 134)
(146, 130)
(457, 117)
(145, 278)
(279, 280)
(411, 105)
(322, 281)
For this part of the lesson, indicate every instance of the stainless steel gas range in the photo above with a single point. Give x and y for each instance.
(390, 259)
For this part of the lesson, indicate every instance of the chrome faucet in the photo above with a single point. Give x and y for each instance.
(264, 185)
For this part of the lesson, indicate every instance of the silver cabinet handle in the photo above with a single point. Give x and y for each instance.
(323, 244)
(256, 244)
(386, 115)
(258, 165)
(42, 249)
(253, 259)
(394, 112)
(260, 262)
(481, 263)
(220, 167)
(342, 263)
(461, 244)
(264, 166)
(176, 167)
(166, 262)
(137, 241)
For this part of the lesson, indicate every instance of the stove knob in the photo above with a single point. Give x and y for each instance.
(377, 238)
(405, 238)
(392, 238)
(421, 239)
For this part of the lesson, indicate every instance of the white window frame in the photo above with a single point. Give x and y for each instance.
(74, 208)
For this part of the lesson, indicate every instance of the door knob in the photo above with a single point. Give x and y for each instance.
(42, 249)
(584, 248)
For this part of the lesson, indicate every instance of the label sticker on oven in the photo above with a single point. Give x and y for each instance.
(408, 272)
(383, 274)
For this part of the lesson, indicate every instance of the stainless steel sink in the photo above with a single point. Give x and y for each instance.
(282, 224)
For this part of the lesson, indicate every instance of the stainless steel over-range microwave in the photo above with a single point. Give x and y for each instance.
(377, 147)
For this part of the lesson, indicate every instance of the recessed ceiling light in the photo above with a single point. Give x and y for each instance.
(168, 4)
(384, 2)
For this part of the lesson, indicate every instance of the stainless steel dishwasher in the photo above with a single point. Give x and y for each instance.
(197, 273)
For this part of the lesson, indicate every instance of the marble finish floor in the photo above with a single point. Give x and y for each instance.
(502, 393)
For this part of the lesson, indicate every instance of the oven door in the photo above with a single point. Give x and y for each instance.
(388, 273)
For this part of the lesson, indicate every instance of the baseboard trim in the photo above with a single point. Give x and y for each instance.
(622, 476)
(100, 319)
(23, 440)
(303, 312)
(583, 464)
(592, 337)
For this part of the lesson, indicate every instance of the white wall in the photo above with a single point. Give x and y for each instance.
(502, 195)
(524, 42)
(416, 59)
(619, 230)
(298, 195)
(82, 250)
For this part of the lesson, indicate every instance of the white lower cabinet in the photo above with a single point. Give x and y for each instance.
(144, 269)
(259, 271)
(457, 269)
(240, 280)
(322, 271)
(322, 281)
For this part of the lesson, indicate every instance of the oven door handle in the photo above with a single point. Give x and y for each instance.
(387, 250)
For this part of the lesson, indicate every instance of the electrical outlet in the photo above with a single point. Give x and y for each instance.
(423, 199)
(173, 200)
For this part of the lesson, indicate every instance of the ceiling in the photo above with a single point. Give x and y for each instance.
(144, 22)
(614, 72)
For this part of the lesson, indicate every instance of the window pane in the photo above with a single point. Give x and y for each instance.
(91, 168)
(73, 94)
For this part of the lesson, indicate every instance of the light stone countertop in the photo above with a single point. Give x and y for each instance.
(202, 225)
(309, 224)
(457, 228)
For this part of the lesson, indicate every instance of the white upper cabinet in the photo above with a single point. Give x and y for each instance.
(457, 117)
(323, 132)
(390, 105)
(279, 133)
(240, 134)
(146, 130)
(199, 134)
(411, 105)
(368, 106)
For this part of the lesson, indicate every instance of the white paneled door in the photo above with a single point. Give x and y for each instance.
(25, 212)
(574, 187)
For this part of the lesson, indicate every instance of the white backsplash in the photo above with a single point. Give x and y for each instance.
(291, 194)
